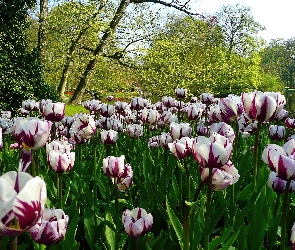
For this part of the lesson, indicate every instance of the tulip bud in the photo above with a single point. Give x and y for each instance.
(137, 222)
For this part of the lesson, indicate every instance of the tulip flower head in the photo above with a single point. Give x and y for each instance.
(107, 110)
(206, 98)
(276, 132)
(83, 128)
(137, 222)
(180, 92)
(212, 152)
(92, 105)
(261, 106)
(221, 178)
(134, 130)
(168, 101)
(224, 129)
(279, 185)
(124, 183)
(181, 148)
(165, 139)
(51, 228)
(178, 130)
(59, 157)
(115, 167)
(54, 111)
(281, 159)
(30, 105)
(290, 123)
(31, 132)
(22, 201)
(108, 137)
(150, 116)
(153, 142)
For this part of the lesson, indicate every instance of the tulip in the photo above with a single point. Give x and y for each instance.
(134, 130)
(51, 228)
(92, 105)
(54, 111)
(281, 159)
(167, 117)
(83, 128)
(110, 98)
(282, 115)
(194, 99)
(7, 125)
(207, 98)
(31, 132)
(22, 201)
(120, 106)
(246, 124)
(221, 178)
(137, 222)
(202, 130)
(224, 129)
(277, 132)
(165, 139)
(1, 141)
(260, 106)
(124, 183)
(150, 116)
(168, 101)
(212, 152)
(114, 167)
(290, 123)
(279, 185)
(181, 148)
(30, 105)
(230, 109)
(137, 103)
(60, 161)
(178, 130)
(108, 137)
(194, 111)
(107, 110)
(153, 142)
(181, 93)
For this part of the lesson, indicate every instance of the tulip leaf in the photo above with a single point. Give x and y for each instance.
(109, 232)
(159, 241)
(218, 241)
(227, 245)
(175, 223)
(69, 240)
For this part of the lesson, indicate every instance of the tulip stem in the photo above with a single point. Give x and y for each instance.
(59, 189)
(117, 213)
(12, 242)
(95, 172)
(208, 208)
(186, 218)
(256, 149)
(32, 165)
(284, 215)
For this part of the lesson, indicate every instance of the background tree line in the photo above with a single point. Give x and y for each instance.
(107, 46)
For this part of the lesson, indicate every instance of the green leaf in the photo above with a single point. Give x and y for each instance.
(69, 241)
(218, 241)
(175, 223)
(109, 232)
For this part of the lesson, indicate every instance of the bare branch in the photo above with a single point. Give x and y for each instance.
(181, 8)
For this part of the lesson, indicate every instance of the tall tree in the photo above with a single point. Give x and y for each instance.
(107, 34)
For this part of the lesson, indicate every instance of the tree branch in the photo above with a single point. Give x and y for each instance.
(181, 8)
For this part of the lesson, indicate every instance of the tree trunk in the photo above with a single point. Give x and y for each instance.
(42, 29)
(64, 77)
(82, 85)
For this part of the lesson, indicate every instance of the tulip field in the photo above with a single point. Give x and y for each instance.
(182, 173)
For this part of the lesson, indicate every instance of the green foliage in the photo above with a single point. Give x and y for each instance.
(20, 70)
(71, 110)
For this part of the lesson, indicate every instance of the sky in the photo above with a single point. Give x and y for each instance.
(277, 16)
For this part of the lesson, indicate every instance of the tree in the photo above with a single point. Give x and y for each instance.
(108, 33)
(20, 70)
(192, 54)
(278, 59)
